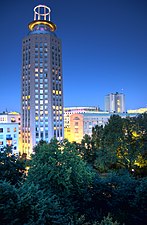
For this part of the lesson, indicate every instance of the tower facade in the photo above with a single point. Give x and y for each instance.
(115, 103)
(42, 86)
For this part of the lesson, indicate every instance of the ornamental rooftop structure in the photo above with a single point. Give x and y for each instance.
(42, 85)
(42, 18)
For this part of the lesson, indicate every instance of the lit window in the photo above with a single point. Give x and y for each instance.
(13, 119)
(76, 130)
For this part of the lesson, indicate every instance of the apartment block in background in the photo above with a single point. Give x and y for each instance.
(115, 103)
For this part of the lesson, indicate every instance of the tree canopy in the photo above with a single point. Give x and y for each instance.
(92, 183)
(122, 143)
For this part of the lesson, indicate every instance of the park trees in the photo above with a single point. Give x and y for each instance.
(57, 169)
(61, 188)
(11, 168)
(122, 143)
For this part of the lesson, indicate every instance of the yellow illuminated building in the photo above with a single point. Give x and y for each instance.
(139, 111)
(76, 128)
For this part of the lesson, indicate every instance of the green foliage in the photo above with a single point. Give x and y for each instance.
(29, 206)
(62, 189)
(11, 168)
(58, 166)
(8, 203)
(59, 169)
(87, 149)
(37, 207)
(120, 194)
(122, 143)
(107, 221)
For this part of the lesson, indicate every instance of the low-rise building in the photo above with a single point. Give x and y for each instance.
(10, 131)
(81, 124)
(68, 111)
(137, 111)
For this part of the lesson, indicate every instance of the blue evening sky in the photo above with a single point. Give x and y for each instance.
(104, 49)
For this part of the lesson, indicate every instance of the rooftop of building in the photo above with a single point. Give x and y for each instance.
(9, 113)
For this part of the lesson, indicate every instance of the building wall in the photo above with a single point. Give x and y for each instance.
(71, 110)
(76, 127)
(81, 124)
(140, 110)
(10, 119)
(9, 136)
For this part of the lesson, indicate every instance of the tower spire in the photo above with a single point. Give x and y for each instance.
(42, 12)
(42, 17)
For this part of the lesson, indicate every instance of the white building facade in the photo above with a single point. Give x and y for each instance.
(10, 132)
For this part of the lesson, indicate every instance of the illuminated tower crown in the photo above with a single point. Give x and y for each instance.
(42, 19)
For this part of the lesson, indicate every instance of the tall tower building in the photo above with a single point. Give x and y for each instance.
(115, 103)
(42, 86)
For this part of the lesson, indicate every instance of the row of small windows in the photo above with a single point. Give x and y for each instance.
(40, 70)
(40, 45)
(54, 48)
(25, 141)
(41, 64)
(41, 80)
(41, 49)
(41, 55)
(8, 136)
(8, 130)
(26, 41)
(41, 75)
(42, 135)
